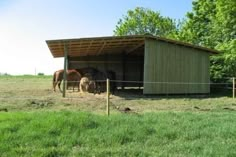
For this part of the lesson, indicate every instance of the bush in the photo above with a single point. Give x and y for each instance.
(40, 74)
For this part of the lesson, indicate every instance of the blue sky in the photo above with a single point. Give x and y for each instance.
(26, 24)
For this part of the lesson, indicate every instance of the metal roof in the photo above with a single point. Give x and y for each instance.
(109, 45)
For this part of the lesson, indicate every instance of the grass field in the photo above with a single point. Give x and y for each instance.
(151, 134)
(40, 122)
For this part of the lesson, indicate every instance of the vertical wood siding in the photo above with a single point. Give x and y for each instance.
(176, 69)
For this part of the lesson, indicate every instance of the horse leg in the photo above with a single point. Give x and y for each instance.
(94, 88)
(54, 86)
(87, 87)
(73, 86)
(80, 88)
(113, 87)
(54, 82)
(97, 89)
(59, 86)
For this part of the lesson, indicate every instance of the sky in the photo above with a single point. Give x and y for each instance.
(26, 24)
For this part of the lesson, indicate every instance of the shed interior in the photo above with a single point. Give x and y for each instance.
(122, 55)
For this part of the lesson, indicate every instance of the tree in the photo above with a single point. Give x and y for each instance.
(224, 65)
(197, 28)
(212, 24)
(224, 29)
(142, 21)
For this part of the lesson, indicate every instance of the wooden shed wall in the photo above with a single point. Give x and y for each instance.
(177, 69)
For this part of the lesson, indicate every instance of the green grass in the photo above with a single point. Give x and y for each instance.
(150, 134)
(39, 122)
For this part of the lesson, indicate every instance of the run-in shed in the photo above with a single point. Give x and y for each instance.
(163, 66)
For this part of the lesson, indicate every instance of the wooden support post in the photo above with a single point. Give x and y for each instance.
(233, 87)
(108, 97)
(141, 63)
(65, 69)
(123, 70)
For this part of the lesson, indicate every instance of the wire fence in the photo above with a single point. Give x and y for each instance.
(23, 89)
(39, 93)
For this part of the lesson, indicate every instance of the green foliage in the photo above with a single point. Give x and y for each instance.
(225, 21)
(142, 21)
(212, 23)
(83, 134)
(40, 74)
(226, 62)
(197, 27)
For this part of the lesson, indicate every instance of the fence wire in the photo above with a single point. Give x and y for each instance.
(39, 89)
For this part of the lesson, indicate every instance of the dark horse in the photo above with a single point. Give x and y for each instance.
(73, 78)
(111, 75)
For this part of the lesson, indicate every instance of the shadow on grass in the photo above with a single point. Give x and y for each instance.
(132, 93)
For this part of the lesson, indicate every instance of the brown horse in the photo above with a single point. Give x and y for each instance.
(73, 78)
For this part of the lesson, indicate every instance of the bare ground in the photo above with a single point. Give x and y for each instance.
(17, 94)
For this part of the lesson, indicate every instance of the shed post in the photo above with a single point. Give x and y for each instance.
(65, 69)
(108, 97)
(233, 87)
(123, 70)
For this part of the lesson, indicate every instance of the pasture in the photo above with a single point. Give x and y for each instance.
(39, 122)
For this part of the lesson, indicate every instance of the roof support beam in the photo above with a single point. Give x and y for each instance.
(100, 50)
(90, 44)
(135, 48)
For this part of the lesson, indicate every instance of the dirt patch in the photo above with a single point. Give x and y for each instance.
(39, 103)
(36, 93)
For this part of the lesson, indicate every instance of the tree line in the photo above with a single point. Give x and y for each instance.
(210, 23)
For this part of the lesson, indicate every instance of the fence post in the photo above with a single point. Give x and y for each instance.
(108, 97)
(233, 87)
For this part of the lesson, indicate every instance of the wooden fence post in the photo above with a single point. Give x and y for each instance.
(233, 87)
(108, 97)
